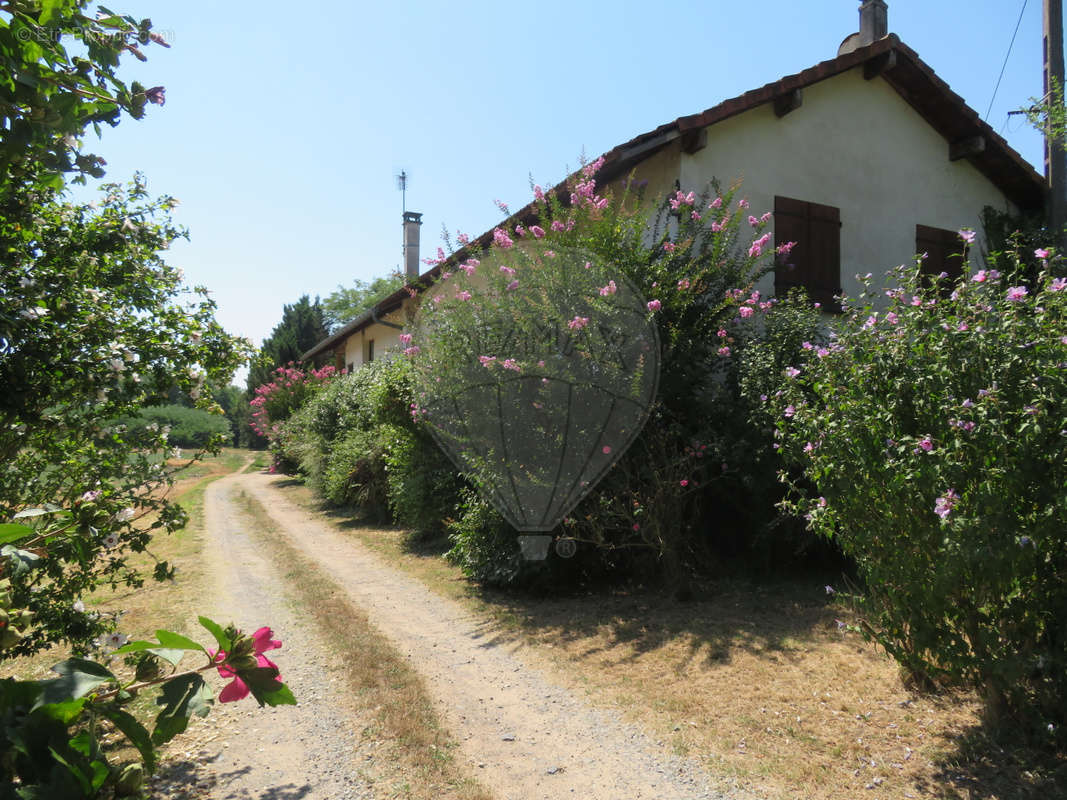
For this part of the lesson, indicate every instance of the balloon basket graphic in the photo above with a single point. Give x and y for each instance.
(534, 546)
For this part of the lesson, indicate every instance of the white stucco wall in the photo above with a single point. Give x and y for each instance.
(857, 145)
(385, 339)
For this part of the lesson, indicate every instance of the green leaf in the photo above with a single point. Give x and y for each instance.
(37, 512)
(216, 630)
(266, 688)
(48, 10)
(64, 713)
(21, 560)
(181, 698)
(11, 532)
(137, 734)
(78, 677)
(175, 641)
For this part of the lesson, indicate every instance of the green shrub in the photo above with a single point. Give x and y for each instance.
(188, 427)
(355, 474)
(424, 485)
(933, 432)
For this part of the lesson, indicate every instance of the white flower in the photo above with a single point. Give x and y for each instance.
(79, 606)
(111, 541)
(112, 640)
(33, 313)
(125, 515)
(25, 283)
(117, 364)
(131, 358)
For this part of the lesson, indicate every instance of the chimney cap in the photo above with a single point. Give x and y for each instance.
(413, 216)
(874, 21)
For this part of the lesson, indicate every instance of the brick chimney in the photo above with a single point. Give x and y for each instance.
(412, 223)
(874, 22)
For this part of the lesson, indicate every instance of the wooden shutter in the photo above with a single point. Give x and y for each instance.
(815, 262)
(944, 253)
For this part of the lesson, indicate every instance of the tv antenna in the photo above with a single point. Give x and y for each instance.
(402, 185)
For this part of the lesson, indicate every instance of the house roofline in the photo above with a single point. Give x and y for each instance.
(888, 58)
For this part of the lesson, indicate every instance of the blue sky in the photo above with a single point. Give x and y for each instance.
(285, 124)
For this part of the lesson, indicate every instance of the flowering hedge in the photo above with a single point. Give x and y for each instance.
(934, 431)
(289, 388)
(695, 257)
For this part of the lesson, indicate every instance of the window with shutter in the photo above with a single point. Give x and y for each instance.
(370, 351)
(944, 252)
(814, 264)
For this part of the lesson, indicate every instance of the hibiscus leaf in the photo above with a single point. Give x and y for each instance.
(181, 697)
(266, 688)
(77, 678)
(175, 641)
(135, 732)
(216, 630)
(12, 532)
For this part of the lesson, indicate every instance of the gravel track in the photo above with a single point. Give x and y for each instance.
(521, 734)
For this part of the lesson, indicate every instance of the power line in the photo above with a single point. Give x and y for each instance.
(1006, 57)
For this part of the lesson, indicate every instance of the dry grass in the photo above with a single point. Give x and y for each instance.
(756, 681)
(381, 680)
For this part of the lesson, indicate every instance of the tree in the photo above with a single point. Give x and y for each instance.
(94, 326)
(345, 304)
(49, 96)
(301, 328)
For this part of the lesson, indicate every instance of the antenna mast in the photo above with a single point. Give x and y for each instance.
(402, 185)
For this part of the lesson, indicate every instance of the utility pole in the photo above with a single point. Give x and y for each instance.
(1055, 155)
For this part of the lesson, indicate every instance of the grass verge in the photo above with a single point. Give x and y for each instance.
(379, 677)
(757, 681)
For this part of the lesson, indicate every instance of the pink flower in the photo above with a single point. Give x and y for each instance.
(1058, 285)
(501, 239)
(765, 216)
(578, 323)
(669, 246)
(967, 235)
(511, 287)
(557, 226)
(510, 363)
(405, 338)
(636, 527)
(606, 450)
(1041, 253)
(746, 311)
(742, 203)
(411, 351)
(464, 295)
(237, 689)
(944, 504)
(753, 221)
(539, 194)
(537, 231)
(716, 203)
(611, 288)
(521, 231)
(1016, 294)
(892, 318)
(790, 410)
(507, 270)
(722, 333)
(926, 444)
(724, 351)
(486, 360)
(683, 483)
(654, 305)
(792, 372)
(757, 246)
(785, 249)
(463, 238)
(695, 215)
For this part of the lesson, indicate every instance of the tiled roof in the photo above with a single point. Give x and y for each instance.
(888, 58)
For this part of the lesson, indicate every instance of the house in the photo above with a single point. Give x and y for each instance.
(864, 160)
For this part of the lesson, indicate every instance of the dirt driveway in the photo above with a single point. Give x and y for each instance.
(520, 734)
